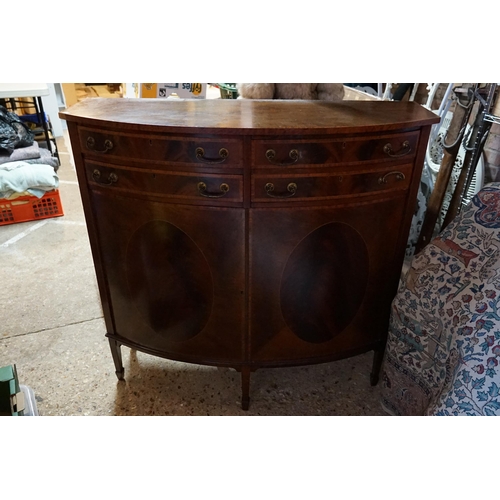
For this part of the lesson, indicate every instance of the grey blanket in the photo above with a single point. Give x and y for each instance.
(31, 154)
(26, 153)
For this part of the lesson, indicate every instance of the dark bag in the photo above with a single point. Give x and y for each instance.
(13, 132)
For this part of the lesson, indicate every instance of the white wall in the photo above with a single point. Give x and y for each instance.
(51, 105)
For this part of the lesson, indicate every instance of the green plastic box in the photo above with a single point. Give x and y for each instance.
(11, 396)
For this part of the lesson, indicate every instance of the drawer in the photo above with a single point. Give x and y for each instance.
(219, 152)
(182, 187)
(319, 186)
(290, 153)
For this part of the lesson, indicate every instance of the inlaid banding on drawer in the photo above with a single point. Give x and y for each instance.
(220, 152)
(293, 153)
(273, 188)
(178, 185)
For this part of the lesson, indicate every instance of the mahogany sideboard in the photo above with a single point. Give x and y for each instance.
(247, 233)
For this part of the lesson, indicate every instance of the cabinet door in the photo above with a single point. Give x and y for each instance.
(322, 280)
(175, 276)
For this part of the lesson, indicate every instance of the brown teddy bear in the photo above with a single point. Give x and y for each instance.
(309, 91)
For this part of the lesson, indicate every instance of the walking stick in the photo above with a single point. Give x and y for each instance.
(474, 150)
(451, 145)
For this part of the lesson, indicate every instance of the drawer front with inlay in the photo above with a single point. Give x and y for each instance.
(322, 186)
(293, 153)
(183, 187)
(220, 152)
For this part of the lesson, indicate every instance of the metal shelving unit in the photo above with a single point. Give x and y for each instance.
(13, 97)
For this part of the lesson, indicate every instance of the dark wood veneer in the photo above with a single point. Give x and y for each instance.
(199, 259)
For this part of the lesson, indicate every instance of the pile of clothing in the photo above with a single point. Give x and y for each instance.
(25, 168)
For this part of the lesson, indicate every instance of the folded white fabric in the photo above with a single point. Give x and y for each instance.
(19, 176)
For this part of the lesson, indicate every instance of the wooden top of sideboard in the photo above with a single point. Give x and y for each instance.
(248, 116)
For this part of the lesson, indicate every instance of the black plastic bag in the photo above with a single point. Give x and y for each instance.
(13, 132)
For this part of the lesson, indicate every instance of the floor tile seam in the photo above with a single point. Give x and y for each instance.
(36, 226)
(68, 221)
(44, 330)
(22, 234)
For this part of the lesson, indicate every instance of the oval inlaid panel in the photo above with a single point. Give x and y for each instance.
(324, 282)
(169, 280)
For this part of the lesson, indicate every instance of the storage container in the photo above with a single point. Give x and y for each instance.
(29, 208)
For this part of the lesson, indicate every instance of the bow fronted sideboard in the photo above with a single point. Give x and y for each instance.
(246, 233)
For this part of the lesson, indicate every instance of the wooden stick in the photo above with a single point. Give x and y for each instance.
(452, 141)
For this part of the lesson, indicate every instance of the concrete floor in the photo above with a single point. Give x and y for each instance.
(53, 330)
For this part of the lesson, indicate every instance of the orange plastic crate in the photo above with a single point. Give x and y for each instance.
(29, 208)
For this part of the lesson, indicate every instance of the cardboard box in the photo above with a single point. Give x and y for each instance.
(69, 92)
(181, 90)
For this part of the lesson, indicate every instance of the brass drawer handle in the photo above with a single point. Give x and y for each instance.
(202, 189)
(293, 154)
(112, 178)
(405, 149)
(223, 153)
(399, 177)
(108, 145)
(291, 188)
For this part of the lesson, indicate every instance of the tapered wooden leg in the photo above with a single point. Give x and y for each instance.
(245, 387)
(378, 357)
(117, 358)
